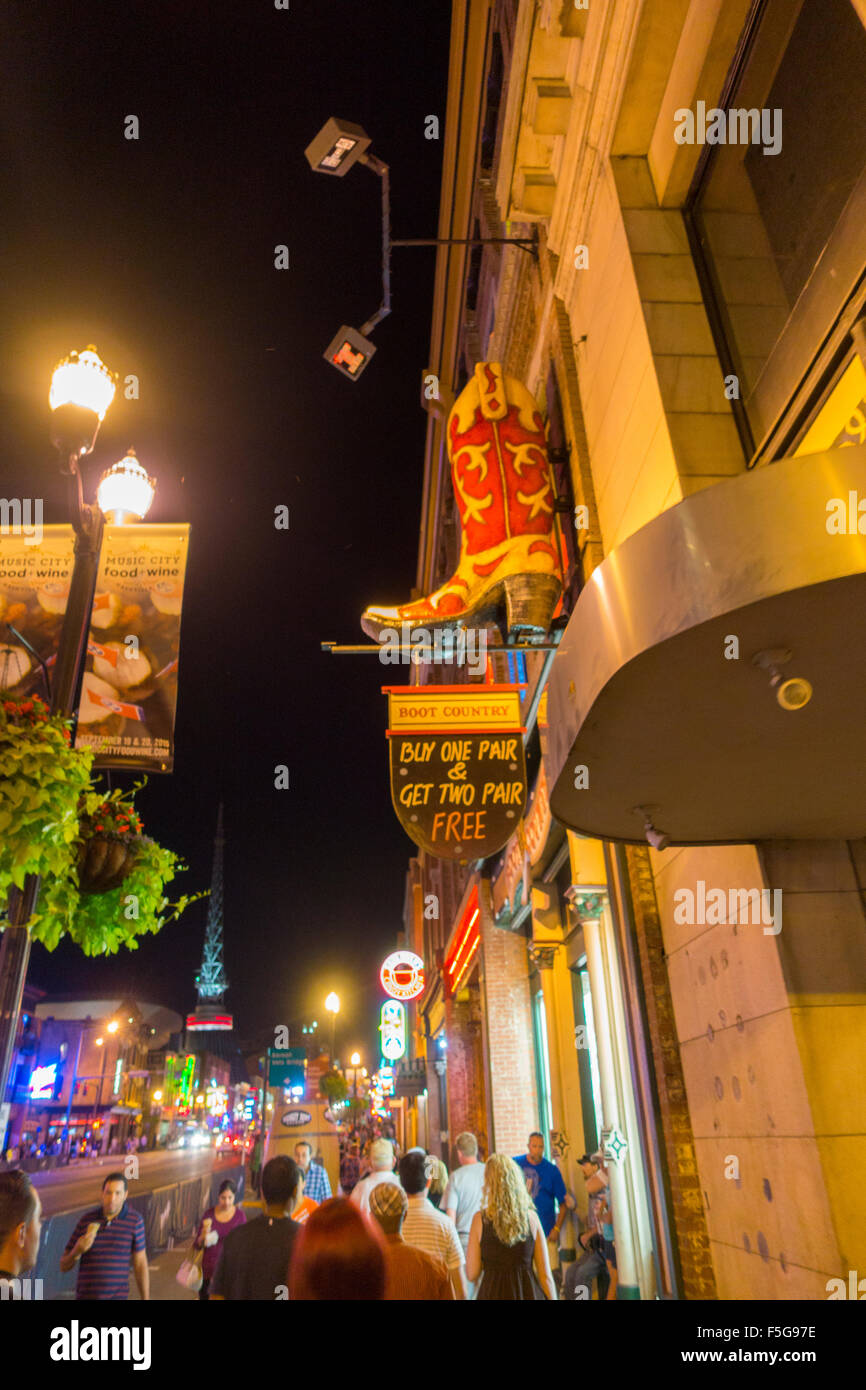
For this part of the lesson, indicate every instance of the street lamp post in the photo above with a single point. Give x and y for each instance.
(72, 1084)
(100, 1042)
(332, 1004)
(82, 389)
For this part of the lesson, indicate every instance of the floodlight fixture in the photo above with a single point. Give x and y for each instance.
(338, 145)
(350, 352)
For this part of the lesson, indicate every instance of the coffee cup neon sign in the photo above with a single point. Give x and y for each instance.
(402, 975)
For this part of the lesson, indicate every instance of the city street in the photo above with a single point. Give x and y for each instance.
(63, 1189)
(432, 655)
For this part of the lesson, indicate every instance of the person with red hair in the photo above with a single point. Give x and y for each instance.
(336, 1256)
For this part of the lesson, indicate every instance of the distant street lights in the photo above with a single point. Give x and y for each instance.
(332, 1004)
(355, 1061)
(82, 389)
(112, 1028)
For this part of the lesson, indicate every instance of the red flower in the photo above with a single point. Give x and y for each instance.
(98, 827)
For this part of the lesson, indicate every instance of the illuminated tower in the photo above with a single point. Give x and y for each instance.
(210, 980)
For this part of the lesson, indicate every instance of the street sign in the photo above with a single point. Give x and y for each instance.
(287, 1067)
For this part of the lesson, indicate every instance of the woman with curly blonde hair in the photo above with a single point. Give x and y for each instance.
(506, 1240)
(439, 1181)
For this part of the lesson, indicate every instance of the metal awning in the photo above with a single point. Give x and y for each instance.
(642, 695)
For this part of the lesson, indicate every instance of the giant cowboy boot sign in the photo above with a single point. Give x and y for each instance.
(509, 559)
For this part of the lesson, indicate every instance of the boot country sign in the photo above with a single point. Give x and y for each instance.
(458, 770)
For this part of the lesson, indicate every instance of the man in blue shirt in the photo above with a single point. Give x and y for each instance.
(544, 1182)
(317, 1184)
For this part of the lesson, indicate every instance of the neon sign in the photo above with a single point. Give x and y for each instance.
(467, 939)
(42, 1082)
(402, 975)
(392, 1026)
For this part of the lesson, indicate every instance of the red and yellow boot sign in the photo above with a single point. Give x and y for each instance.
(504, 492)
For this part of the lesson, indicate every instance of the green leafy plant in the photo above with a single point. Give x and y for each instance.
(50, 814)
(333, 1085)
(43, 779)
(100, 923)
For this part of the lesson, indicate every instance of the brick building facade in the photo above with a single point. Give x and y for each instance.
(676, 345)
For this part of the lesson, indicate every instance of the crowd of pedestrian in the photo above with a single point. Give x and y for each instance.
(67, 1148)
(401, 1228)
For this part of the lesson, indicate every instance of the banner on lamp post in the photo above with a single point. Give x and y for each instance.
(129, 689)
(35, 573)
(458, 769)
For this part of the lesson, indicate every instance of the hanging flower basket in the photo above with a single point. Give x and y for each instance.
(104, 862)
(103, 881)
(109, 846)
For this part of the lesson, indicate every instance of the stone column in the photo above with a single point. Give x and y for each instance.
(591, 910)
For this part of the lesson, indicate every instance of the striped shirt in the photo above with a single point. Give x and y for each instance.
(431, 1231)
(103, 1270)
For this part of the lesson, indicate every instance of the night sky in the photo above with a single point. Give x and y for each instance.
(161, 252)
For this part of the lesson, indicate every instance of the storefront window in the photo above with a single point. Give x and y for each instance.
(587, 1053)
(841, 417)
(773, 200)
(542, 1065)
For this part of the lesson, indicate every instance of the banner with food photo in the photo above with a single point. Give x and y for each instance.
(129, 689)
(34, 581)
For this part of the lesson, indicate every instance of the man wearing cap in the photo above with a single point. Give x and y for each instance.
(596, 1178)
(382, 1165)
(410, 1274)
(599, 1218)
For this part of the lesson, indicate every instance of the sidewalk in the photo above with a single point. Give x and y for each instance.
(163, 1285)
(164, 1266)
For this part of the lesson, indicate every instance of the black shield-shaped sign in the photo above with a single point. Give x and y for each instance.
(458, 770)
